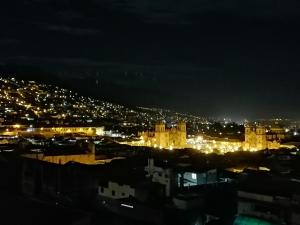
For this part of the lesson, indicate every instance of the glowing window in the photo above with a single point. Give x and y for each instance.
(194, 176)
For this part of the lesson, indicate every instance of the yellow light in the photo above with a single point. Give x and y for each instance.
(17, 126)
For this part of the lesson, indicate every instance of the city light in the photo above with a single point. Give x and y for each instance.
(127, 206)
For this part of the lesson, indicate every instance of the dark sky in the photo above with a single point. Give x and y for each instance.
(229, 58)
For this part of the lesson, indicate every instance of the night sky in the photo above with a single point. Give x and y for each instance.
(232, 58)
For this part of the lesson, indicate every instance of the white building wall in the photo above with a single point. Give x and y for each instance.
(116, 191)
(160, 175)
(247, 205)
(257, 197)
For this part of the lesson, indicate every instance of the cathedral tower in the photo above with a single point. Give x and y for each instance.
(181, 127)
(261, 137)
(160, 127)
(161, 136)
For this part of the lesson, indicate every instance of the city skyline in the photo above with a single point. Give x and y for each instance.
(160, 112)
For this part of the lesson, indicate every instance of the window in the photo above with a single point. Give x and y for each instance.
(123, 194)
(102, 190)
(194, 176)
(113, 193)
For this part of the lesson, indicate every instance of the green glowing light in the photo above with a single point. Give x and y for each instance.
(245, 220)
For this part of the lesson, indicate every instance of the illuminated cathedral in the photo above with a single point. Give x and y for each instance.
(257, 138)
(168, 138)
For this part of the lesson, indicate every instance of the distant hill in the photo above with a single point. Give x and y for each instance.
(31, 101)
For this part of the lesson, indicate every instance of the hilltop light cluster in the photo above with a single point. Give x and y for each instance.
(29, 101)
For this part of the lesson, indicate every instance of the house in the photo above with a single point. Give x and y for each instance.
(270, 198)
(180, 175)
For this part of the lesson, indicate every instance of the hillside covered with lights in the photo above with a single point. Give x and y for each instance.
(30, 102)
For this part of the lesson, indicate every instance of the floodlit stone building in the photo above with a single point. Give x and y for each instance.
(49, 132)
(162, 137)
(257, 138)
(65, 154)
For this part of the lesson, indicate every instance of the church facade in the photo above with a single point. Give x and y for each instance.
(168, 138)
(257, 138)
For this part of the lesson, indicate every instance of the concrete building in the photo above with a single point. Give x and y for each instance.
(65, 154)
(162, 137)
(179, 176)
(162, 175)
(115, 190)
(270, 198)
(130, 195)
